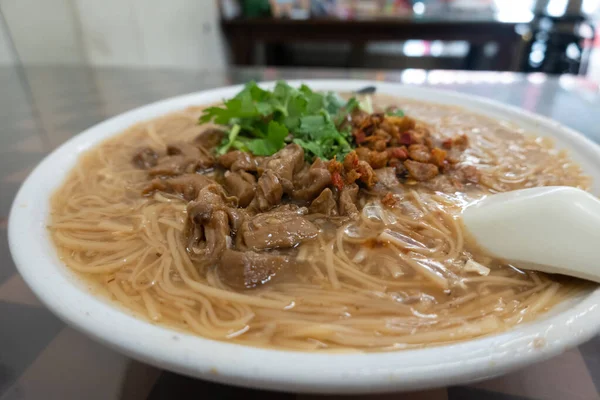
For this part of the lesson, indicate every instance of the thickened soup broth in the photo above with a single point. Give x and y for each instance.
(308, 221)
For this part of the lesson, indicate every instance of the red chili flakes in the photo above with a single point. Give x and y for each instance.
(351, 161)
(398, 152)
(389, 200)
(336, 179)
(405, 138)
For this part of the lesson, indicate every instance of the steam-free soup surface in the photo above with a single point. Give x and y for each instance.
(365, 253)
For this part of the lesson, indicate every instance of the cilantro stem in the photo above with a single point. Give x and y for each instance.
(233, 133)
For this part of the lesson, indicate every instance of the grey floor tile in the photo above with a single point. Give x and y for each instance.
(15, 168)
(590, 351)
(24, 333)
(7, 267)
(174, 386)
(467, 393)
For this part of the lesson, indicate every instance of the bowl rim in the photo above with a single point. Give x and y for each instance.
(51, 281)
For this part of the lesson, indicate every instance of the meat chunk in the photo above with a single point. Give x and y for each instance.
(145, 158)
(209, 138)
(210, 199)
(399, 153)
(461, 141)
(351, 160)
(216, 236)
(387, 179)
(172, 166)
(182, 158)
(419, 152)
(238, 160)
(210, 215)
(454, 179)
(188, 186)
(470, 173)
(402, 123)
(268, 192)
(240, 184)
(310, 182)
(324, 204)
(367, 175)
(363, 153)
(359, 116)
(198, 156)
(354, 168)
(388, 140)
(236, 217)
(348, 197)
(284, 164)
(464, 174)
(438, 157)
(275, 230)
(378, 159)
(247, 269)
(421, 171)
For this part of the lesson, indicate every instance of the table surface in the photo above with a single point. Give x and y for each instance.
(41, 107)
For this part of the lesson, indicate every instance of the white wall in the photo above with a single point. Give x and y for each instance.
(6, 53)
(173, 33)
(43, 31)
(181, 32)
(110, 33)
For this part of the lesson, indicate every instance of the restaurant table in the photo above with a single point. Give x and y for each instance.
(43, 106)
(244, 34)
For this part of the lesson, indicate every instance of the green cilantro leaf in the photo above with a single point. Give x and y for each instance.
(274, 141)
(263, 121)
(313, 148)
(395, 113)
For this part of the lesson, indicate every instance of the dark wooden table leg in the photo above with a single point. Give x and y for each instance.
(507, 56)
(242, 47)
(357, 55)
(277, 54)
(473, 57)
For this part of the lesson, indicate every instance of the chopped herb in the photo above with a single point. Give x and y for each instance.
(233, 133)
(366, 104)
(395, 113)
(273, 142)
(263, 122)
(344, 112)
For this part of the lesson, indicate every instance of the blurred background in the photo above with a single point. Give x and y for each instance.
(552, 36)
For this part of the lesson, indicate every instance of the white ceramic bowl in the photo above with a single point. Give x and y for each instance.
(565, 326)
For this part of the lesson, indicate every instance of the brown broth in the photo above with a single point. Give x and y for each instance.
(396, 278)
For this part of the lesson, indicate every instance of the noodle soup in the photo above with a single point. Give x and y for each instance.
(377, 263)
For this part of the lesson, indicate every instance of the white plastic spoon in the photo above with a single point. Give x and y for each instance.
(552, 229)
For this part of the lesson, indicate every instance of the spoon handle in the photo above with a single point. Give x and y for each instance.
(550, 229)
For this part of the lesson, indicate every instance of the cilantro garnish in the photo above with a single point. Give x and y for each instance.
(263, 122)
(395, 113)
